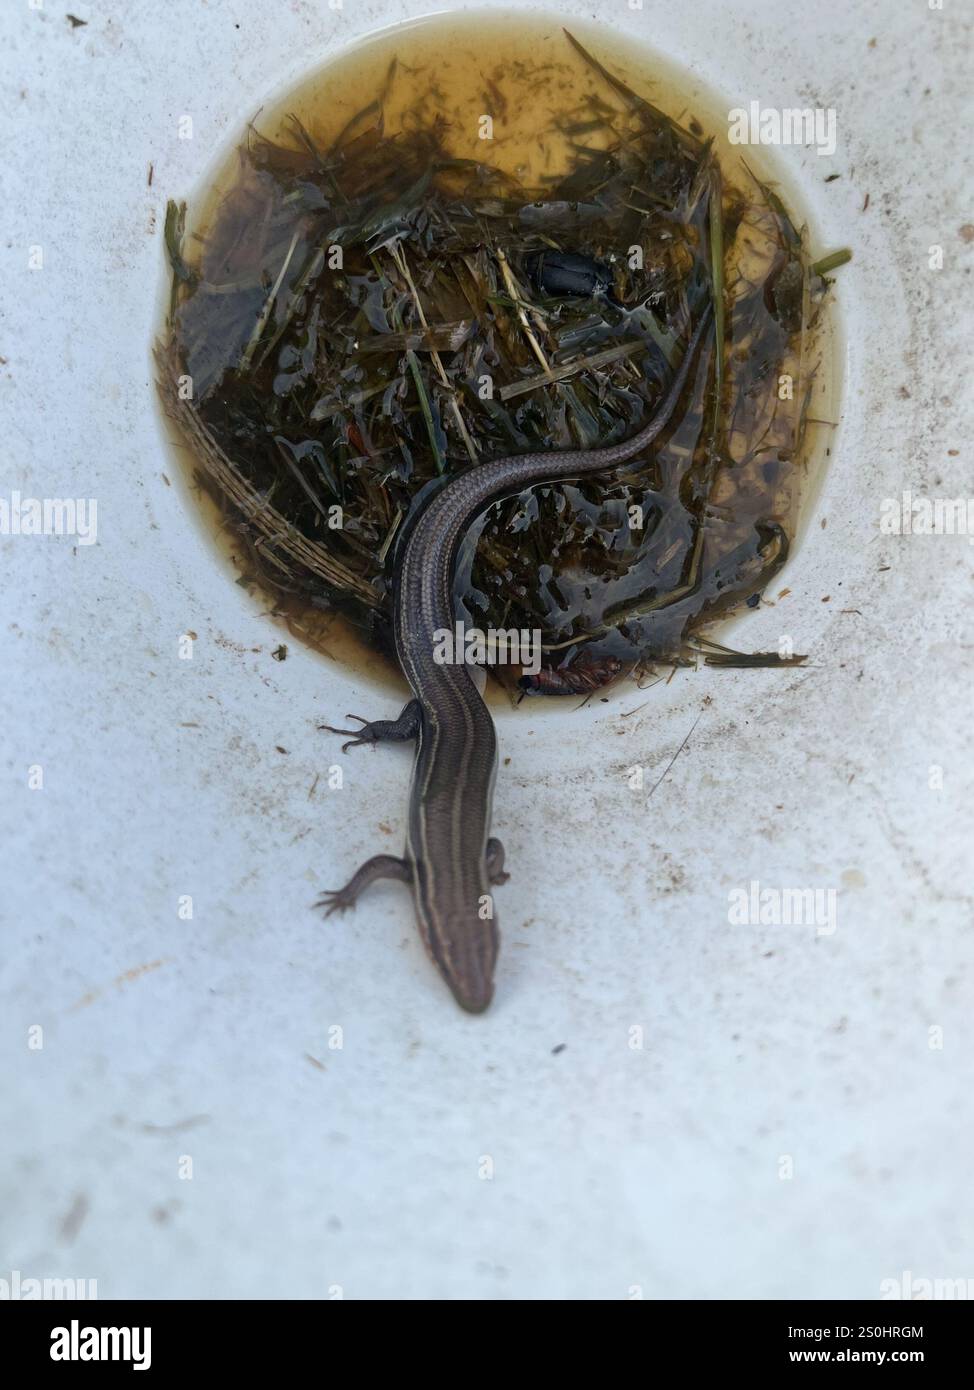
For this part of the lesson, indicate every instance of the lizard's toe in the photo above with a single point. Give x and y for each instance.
(334, 900)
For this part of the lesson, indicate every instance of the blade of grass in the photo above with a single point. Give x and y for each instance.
(569, 369)
(832, 261)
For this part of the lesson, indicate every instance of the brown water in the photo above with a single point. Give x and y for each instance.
(519, 71)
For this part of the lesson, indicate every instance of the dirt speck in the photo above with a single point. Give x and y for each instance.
(177, 1127)
(74, 1218)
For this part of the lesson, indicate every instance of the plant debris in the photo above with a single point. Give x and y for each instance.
(361, 317)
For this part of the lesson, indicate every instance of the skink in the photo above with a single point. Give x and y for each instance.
(450, 860)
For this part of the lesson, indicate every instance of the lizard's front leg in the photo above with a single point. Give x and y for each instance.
(381, 730)
(379, 866)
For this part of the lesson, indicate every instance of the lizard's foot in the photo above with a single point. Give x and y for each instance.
(336, 900)
(380, 730)
(354, 736)
(379, 866)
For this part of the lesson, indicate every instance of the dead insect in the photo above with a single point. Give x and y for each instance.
(578, 680)
(568, 273)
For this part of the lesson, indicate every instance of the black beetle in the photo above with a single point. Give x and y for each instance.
(568, 273)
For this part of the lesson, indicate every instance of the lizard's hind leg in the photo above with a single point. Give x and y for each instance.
(380, 730)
